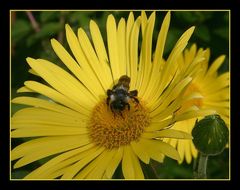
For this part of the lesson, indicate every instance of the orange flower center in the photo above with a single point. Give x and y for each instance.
(112, 129)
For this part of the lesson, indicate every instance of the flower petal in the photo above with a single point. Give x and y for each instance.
(162, 147)
(215, 65)
(145, 65)
(55, 96)
(97, 167)
(30, 116)
(57, 163)
(113, 47)
(133, 49)
(93, 61)
(112, 166)
(130, 165)
(37, 102)
(63, 82)
(140, 152)
(75, 168)
(121, 38)
(157, 59)
(130, 23)
(42, 147)
(167, 133)
(83, 74)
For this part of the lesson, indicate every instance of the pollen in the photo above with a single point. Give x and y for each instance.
(113, 130)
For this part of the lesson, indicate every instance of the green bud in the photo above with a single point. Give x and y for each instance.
(210, 135)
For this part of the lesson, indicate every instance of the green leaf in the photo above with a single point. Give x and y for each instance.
(222, 32)
(203, 33)
(49, 29)
(46, 32)
(210, 135)
(46, 16)
(20, 29)
(172, 38)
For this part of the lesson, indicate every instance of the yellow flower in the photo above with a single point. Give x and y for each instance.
(85, 138)
(214, 94)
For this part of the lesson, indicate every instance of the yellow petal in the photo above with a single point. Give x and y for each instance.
(42, 147)
(194, 150)
(162, 147)
(55, 96)
(33, 72)
(145, 64)
(157, 59)
(51, 164)
(192, 114)
(98, 41)
(188, 155)
(97, 167)
(130, 23)
(112, 166)
(137, 167)
(133, 49)
(65, 164)
(92, 59)
(113, 47)
(127, 165)
(63, 82)
(170, 67)
(31, 116)
(101, 52)
(37, 102)
(47, 130)
(153, 152)
(75, 168)
(215, 65)
(24, 89)
(158, 125)
(143, 22)
(161, 39)
(85, 75)
(180, 148)
(171, 94)
(167, 133)
(140, 152)
(121, 38)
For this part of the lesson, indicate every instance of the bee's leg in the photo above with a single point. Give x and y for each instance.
(114, 113)
(133, 93)
(109, 93)
(121, 114)
(108, 99)
(128, 105)
(111, 108)
(135, 99)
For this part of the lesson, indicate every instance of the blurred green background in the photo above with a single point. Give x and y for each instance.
(32, 39)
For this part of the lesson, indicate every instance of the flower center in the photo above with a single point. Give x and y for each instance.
(112, 129)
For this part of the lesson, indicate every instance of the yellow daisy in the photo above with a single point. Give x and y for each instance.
(214, 90)
(86, 137)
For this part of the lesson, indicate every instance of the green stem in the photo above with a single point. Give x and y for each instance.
(33, 21)
(202, 166)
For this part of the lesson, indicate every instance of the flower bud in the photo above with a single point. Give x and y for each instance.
(210, 135)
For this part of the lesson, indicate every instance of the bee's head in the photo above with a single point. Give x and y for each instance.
(118, 105)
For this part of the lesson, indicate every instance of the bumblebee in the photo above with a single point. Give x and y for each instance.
(120, 95)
